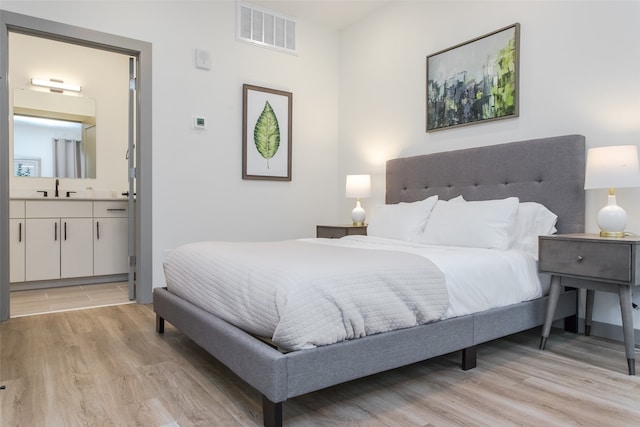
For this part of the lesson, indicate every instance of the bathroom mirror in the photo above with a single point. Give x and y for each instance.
(54, 135)
(45, 147)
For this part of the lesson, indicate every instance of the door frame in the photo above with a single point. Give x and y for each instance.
(15, 22)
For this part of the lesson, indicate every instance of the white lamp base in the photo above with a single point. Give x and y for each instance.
(358, 214)
(612, 219)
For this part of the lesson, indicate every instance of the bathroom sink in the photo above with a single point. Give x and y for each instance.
(73, 194)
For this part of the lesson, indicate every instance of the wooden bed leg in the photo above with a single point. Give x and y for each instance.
(469, 358)
(271, 413)
(159, 324)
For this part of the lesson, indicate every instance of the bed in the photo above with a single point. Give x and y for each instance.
(549, 171)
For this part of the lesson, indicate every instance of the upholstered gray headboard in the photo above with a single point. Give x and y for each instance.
(548, 171)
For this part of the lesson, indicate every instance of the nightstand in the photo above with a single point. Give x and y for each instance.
(338, 231)
(600, 264)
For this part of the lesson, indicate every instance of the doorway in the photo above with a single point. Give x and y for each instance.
(141, 51)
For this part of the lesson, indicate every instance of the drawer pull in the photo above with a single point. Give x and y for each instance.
(580, 258)
(116, 209)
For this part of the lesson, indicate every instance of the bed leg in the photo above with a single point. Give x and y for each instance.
(159, 324)
(271, 413)
(469, 358)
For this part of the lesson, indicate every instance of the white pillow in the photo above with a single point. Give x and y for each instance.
(402, 221)
(479, 224)
(533, 220)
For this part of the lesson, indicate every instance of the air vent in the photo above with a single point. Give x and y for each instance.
(265, 28)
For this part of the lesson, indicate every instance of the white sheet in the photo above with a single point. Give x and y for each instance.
(477, 279)
(305, 295)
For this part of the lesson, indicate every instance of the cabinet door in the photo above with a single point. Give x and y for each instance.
(110, 246)
(42, 260)
(16, 250)
(76, 247)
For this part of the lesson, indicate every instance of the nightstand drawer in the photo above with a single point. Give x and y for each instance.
(595, 260)
(338, 231)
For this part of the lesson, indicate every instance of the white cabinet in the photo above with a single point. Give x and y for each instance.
(43, 250)
(59, 239)
(76, 247)
(110, 238)
(16, 241)
(65, 239)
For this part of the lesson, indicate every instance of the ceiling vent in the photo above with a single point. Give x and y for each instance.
(265, 28)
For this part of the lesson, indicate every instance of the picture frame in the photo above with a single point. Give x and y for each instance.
(266, 133)
(26, 166)
(475, 81)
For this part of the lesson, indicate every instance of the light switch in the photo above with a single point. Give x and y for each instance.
(203, 59)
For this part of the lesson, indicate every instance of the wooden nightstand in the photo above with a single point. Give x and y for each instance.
(338, 231)
(602, 264)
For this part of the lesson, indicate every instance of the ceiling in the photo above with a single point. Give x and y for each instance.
(332, 13)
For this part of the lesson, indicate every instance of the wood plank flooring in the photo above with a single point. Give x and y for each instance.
(38, 301)
(108, 367)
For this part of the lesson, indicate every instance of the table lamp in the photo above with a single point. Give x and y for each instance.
(612, 167)
(358, 186)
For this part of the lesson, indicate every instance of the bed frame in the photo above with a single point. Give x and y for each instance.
(549, 171)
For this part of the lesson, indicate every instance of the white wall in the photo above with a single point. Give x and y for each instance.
(198, 192)
(578, 65)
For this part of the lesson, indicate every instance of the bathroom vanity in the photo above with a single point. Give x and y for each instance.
(55, 241)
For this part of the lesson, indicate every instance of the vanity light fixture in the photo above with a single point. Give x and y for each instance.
(612, 167)
(358, 186)
(56, 85)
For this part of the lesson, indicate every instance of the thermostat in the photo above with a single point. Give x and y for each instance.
(199, 122)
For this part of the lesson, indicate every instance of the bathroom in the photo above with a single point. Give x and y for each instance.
(90, 193)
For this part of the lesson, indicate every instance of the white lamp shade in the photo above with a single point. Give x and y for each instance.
(358, 186)
(612, 167)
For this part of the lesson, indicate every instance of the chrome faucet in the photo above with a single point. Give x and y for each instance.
(57, 187)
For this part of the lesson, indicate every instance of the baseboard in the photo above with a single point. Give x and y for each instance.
(76, 281)
(609, 331)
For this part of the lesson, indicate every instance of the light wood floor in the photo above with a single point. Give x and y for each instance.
(38, 301)
(108, 366)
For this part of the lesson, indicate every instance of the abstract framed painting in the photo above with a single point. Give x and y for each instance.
(475, 81)
(266, 133)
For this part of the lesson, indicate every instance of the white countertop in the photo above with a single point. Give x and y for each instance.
(71, 199)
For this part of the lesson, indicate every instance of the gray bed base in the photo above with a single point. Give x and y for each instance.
(549, 170)
(279, 376)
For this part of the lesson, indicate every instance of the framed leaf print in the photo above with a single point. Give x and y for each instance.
(266, 133)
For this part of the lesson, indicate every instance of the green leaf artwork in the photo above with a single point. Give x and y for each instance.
(266, 134)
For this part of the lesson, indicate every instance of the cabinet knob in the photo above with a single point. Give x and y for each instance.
(580, 258)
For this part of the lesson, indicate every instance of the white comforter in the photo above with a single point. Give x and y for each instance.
(287, 291)
(304, 295)
(477, 279)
